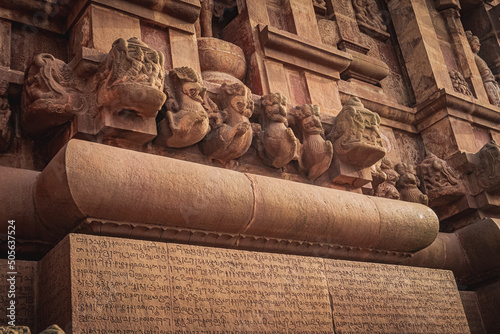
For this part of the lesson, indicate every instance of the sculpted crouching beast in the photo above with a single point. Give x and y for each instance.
(186, 120)
(277, 145)
(231, 133)
(315, 153)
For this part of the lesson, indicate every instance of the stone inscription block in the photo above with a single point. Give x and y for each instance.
(227, 291)
(24, 292)
(119, 284)
(389, 299)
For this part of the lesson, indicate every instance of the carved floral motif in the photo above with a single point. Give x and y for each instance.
(5, 114)
(231, 133)
(186, 120)
(490, 85)
(277, 145)
(442, 184)
(356, 135)
(387, 188)
(315, 152)
(488, 167)
(408, 184)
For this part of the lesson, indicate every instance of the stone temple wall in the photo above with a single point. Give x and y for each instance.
(312, 133)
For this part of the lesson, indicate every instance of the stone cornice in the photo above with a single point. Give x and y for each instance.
(296, 51)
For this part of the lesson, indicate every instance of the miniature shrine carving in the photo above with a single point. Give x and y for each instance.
(51, 94)
(442, 184)
(408, 184)
(356, 135)
(186, 120)
(315, 152)
(387, 188)
(490, 85)
(276, 142)
(5, 114)
(231, 133)
(488, 167)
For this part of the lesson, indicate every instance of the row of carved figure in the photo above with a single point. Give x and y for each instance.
(130, 85)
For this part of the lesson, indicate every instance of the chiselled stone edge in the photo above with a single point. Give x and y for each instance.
(122, 185)
(236, 241)
(291, 49)
(366, 68)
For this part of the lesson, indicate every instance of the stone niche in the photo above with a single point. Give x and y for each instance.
(152, 287)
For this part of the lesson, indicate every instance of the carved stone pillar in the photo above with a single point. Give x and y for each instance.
(420, 47)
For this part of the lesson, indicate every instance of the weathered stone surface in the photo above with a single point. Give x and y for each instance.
(221, 57)
(5, 114)
(471, 309)
(488, 167)
(276, 142)
(387, 188)
(150, 285)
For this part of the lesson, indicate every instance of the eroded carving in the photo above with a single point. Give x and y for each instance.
(408, 184)
(15, 330)
(53, 329)
(387, 188)
(51, 94)
(356, 135)
(488, 167)
(442, 184)
(315, 153)
(276, 142)
(131, 79)
(231, 133)
(5, 114)
(186, 120)
(490, 85)
(368, 13)
(459, 84)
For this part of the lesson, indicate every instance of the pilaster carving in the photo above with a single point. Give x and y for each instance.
(276, 143)
(356, 135)
(315, 152)
(186, 118)
(442, 184)
(408, 184)
(5, 114)
(231, 133)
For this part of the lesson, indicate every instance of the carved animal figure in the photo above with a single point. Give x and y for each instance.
(408, 183)
(231, 133)
(315, 153)
(490, 85)
(131, 79)
(442, 184)
(277, 145)
(388, 188)
(186, 120)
